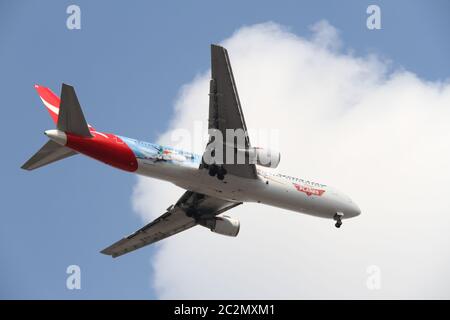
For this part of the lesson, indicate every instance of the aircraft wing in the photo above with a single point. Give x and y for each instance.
(225, 110)
(179, 217)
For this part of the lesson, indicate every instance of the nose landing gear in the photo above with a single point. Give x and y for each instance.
(338, 218)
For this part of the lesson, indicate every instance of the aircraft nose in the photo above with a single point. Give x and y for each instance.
(353, 210)
(349, 207)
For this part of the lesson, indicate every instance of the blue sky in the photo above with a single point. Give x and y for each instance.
(127, 64)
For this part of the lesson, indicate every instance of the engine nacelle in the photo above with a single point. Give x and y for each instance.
(265, 157)
(223, 225)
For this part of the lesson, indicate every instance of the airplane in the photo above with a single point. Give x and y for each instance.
(212, 188)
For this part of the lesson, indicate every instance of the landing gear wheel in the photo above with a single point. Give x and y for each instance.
(338, 218)
(221, 172)
(213, 169)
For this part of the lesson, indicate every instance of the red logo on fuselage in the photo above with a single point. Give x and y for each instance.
(309, 190)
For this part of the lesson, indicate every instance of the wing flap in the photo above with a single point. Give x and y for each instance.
(225, 110)
(165, 226)
(229, 111)
(179, 217)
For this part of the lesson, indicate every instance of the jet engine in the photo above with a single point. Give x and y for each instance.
(224, 225)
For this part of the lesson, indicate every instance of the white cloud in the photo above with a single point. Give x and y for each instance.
(382, 137)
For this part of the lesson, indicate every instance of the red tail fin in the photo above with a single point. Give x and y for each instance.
(50, 100)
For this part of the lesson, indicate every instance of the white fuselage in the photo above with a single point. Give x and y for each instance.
(269, 188)
(182, 169)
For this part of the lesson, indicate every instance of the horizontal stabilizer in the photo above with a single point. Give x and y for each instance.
(71, 118)
(49, 153)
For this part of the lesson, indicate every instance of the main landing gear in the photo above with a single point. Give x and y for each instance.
(338, 218)
(219, 171)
